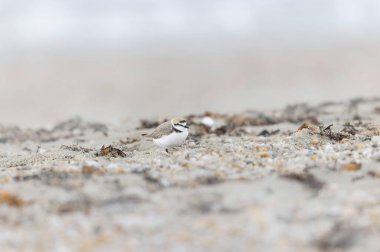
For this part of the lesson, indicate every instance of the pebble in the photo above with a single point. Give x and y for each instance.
(208, 121)
(376, 140)
(192, 144)
(352, 166)
(314, 141)
(263, 154)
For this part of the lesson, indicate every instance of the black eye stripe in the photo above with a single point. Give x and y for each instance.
(179, 124)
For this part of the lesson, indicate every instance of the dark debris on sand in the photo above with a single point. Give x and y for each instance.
(110, 151)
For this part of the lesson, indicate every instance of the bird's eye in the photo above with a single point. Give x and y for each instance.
(183, 121)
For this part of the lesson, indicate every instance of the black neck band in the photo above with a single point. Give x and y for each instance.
(176, 130)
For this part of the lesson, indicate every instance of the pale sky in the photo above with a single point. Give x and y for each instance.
(57, 23)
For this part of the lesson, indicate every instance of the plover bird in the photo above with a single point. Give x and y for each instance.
(170, 133)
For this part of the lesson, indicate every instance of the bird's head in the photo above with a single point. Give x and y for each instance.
(179, 124)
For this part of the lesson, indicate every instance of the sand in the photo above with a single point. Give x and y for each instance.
(278, 181)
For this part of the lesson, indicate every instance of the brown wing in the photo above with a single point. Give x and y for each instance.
(164, 129)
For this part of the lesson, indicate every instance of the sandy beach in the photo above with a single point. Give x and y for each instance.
(284, 180)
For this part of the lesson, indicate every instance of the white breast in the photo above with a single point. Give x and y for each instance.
(171, 140)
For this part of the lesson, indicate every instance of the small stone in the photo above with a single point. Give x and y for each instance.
(359, 146)
(177, 153)
(41, 151)
(308, 126)
(208, 121)
(376, 140)
(263, 148)
(376, 156)
(352, 166)
(313, 157)
(314, 141)
(237, 166)
(263, 154)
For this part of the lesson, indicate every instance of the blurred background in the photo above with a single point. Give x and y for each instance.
(108, 60)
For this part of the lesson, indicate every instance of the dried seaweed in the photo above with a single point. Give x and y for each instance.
(221, 130)
(367, 128)
(307, 179)
(232, 123)
(294, 114)
(110, 151)
(266, 133)
(349, 128)
(336, 136)
(238, 132)
(304, 125)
